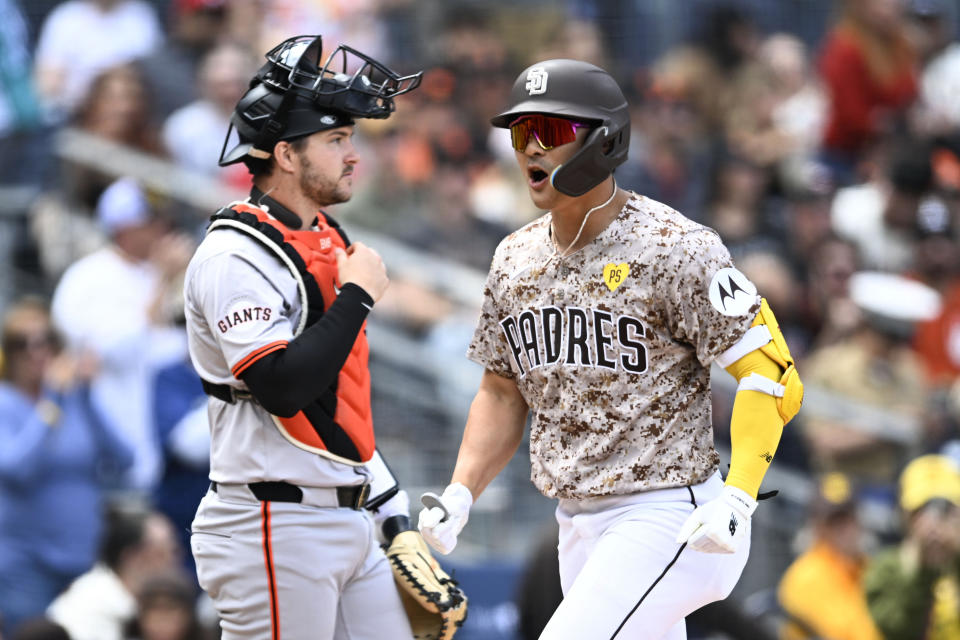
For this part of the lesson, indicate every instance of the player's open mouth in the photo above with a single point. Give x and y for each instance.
(537, 176)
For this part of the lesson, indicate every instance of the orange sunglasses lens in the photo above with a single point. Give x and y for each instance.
(547, 131)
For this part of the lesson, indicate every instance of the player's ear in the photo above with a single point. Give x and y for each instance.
(284, 155)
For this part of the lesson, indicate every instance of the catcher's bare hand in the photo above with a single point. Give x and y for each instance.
(363, 266)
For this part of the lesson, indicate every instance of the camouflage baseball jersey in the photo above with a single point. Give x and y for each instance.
(611, 348)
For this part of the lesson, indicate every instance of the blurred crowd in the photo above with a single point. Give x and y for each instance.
(829, 163)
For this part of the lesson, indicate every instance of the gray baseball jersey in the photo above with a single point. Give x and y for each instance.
(241, 304)
(611, 348)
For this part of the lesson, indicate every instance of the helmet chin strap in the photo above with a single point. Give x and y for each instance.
(553, 232)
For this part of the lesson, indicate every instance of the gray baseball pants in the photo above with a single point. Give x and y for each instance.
(294, 571)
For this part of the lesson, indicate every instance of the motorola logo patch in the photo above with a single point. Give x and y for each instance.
(731, 293)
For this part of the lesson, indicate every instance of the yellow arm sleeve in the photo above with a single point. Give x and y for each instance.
(755, 426)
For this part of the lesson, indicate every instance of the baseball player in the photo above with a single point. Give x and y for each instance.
(276, 299)
(602, 318)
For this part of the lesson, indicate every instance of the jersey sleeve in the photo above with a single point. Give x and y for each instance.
(489, 345)
(245, 311)
(709, 304)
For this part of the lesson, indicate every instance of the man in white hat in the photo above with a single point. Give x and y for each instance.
(875, 368)
(111, 303)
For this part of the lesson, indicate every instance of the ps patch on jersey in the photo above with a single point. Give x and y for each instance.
(731, 293)
(615, 274)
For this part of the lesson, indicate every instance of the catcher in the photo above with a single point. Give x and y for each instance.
(276, 301)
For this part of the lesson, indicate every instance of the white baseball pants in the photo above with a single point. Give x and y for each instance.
(623, 575)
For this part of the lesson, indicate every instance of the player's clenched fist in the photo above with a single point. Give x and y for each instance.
(363, 266)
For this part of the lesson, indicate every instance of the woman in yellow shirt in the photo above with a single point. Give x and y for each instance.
(821, 591)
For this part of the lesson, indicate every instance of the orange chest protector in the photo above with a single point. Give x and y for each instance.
(338, 424)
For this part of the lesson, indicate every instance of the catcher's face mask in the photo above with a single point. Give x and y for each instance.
(295, 93)
(294, 66)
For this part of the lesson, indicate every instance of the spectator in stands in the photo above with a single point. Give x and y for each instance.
(670, 156)
(19, 106)
(913, 589)
(868, 66)
(874, 369)
(938, 341)
(799, 107)
(735, 208)
(938, 264)
(118, 108)
(56, 448)
(774, 111)
(193, 134)
(138, 545)
(831, 314)
(179, 407)
(195, 27)
(117, 302)
(933, 28)
(165, 610)
(577, 39)
(40, 629)
(808, 192)
(705, 71)
(25, 162)
(822, 591)
(881, 216)
(82, 38)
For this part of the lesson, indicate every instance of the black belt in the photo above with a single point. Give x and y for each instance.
(225, 392)
(353, 497)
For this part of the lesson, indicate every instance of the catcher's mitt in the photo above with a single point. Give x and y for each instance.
(435, 605)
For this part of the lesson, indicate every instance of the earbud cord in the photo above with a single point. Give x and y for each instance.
(553, 232)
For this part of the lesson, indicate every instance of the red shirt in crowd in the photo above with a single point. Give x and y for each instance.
(938, 341)
(863, 96)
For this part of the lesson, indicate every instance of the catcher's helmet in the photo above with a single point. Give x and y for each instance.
(294, 94)
(580, 91)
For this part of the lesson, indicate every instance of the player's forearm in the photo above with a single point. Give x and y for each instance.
(755, 426)
(285, 381)
(493, 432)
(755, 430)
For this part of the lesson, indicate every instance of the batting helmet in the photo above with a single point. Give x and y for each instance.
(294, 94)
(580, 91)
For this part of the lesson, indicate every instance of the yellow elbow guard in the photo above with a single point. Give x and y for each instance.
(764, 336)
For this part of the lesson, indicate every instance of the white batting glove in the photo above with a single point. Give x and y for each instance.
(441, 529)
(720, 525)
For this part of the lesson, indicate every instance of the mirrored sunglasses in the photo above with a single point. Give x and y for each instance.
(549, 132)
